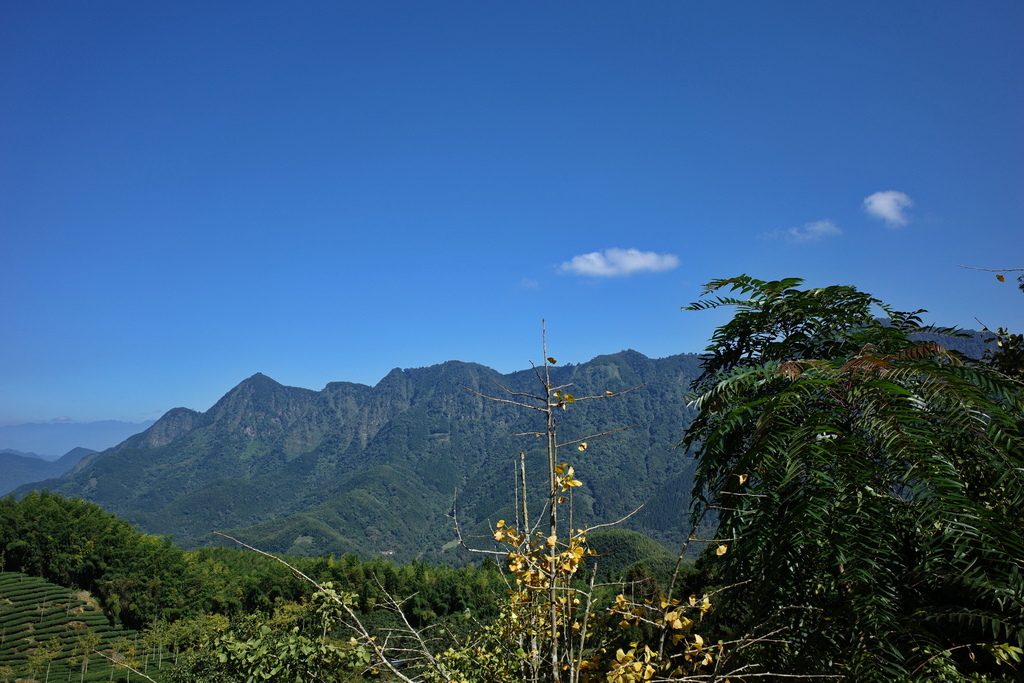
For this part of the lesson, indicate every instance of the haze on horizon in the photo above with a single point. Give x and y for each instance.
(193, 193)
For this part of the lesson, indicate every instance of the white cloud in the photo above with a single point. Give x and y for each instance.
(527, 283)
(612, 262)
(809, 232)
(889, 206)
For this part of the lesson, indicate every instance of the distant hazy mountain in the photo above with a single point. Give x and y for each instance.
(17, 468)
(51, 439)
(973, 345)
(354, 468)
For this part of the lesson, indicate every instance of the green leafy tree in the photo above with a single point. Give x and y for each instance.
(78, 544)
(296, 644)
(41, 658)
(85, 645)
(869, 488)
(1008, 355)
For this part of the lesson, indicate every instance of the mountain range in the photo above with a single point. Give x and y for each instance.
(17, 468)
(49, 440)
(390, 468)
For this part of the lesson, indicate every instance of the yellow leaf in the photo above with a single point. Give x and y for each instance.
(582, 446)
(1000, 278)
(743, 478)
(552, 360)
(721, 550)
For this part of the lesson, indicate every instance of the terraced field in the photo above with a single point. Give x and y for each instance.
(51, 634)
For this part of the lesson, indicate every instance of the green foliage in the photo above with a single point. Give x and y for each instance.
(616, 551)
(296, 644)
(77, 544)
(1008, 356)
(869, 487)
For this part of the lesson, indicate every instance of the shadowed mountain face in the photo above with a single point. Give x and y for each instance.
(354, 468)
(18, 468)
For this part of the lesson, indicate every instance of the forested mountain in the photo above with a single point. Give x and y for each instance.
(22, 468)
(354, 468)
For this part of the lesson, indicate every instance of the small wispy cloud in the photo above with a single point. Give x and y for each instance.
(613, 262)
(527, 283)
(808, 232)
(890, 206)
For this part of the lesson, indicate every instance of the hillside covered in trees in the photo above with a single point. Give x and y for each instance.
(362, 469)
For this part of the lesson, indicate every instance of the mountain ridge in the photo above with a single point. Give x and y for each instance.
(367, 469)
(18, 469)
(51, 440)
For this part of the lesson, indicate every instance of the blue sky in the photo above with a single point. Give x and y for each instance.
(193, 192)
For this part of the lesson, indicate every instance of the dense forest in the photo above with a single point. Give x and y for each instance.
(182, 600)
(857, 498)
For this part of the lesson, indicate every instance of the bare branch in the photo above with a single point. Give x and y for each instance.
(505, 400)
(368, 640)
(424, 649)
(592, 436)
(122, 665)
(615, 523)
(737, 493)
(611, 394)
(993, 270)
(510, 392)
(458, 532)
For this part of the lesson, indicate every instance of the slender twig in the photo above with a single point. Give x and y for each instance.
(458, 532)
(992, 270)
(607, 394)
(594, 436)
(417, 635)
(362, 630)
(513, 393)
(503, 400)
(690, 537)
(615, 523)
(123, 665)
